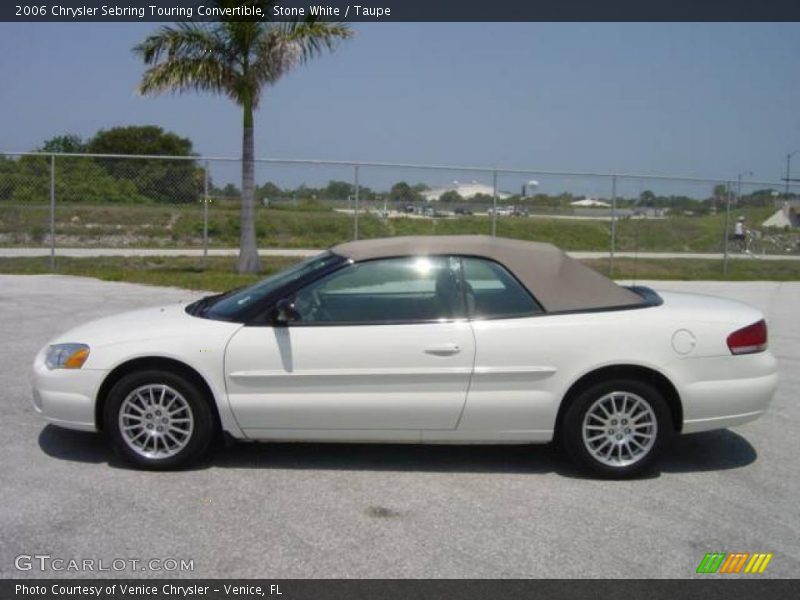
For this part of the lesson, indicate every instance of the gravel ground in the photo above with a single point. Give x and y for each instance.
(308, 510)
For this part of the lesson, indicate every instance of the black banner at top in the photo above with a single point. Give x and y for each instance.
(376, 11)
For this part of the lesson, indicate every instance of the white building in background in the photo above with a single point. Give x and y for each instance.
(465, 190)
(787, 216)
(590, 203)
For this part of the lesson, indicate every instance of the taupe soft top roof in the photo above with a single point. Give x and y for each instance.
(557, 281)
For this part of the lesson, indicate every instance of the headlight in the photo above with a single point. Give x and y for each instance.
(66, 356)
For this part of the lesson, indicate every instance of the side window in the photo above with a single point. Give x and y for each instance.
(492, 291)
(423, 288)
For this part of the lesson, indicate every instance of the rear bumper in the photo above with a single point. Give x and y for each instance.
(724, 391)
(720, 422)
(66, 397)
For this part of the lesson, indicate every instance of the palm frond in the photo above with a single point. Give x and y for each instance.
(190, 74)
(182, 40)
(236, 58)
(316, 37)
(274, 56)
(281, 47)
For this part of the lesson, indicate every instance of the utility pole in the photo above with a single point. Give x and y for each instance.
(788, 179)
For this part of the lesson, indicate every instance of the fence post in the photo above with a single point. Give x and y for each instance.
(494, 203)
(613, 225)
(52, 212)
(205, 216)
(725, 232)
(355, 214)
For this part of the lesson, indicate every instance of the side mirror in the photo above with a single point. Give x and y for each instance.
(285, 312)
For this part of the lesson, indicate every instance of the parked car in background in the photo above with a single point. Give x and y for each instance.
(432, 211)
(519, 211)
(502, 211)
(449, 339)
(462, 210)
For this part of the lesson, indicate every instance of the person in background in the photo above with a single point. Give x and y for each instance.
(740, 234)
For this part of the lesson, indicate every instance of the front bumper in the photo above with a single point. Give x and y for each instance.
(66, 397)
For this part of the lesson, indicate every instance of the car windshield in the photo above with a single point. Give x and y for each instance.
(230, 304)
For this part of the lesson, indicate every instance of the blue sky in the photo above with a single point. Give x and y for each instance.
(693, 99)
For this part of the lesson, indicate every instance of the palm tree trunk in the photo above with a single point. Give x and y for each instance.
(248, 245)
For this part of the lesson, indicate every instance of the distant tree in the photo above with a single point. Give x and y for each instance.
(451, 196)
(339, 190)
(647, 198)
(77, 180)
(139, 139)
(303, 191)
(68, 143)
(159, 179)
(760, 198)
(402, 192)
(230, 191)
(268, 191)
(719, 196)
(8, 180)
(543, 200)
(679, 203)
(367, 193)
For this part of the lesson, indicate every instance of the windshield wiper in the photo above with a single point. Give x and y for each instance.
(202, 306)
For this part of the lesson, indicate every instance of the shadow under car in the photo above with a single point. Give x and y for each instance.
(707, 451)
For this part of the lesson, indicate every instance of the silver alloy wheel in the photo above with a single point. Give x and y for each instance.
(156, 421)
(619, 429)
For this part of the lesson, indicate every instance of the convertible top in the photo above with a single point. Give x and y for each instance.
(558, 282)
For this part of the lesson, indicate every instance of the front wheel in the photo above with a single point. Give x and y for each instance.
(616, 428)
(158, 420)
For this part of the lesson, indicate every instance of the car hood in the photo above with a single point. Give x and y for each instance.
(148, 324)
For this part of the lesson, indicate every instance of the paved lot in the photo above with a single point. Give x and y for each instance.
(281, 510)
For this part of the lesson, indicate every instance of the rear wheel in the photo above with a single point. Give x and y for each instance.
(158, 420)
(616, 428)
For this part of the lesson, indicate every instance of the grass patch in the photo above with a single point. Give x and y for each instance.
(740, 269)
(218, 274)
(315, 225)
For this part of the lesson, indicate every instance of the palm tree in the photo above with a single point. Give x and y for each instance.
(237, 59)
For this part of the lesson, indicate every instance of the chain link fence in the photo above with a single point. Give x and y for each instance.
(55, 203)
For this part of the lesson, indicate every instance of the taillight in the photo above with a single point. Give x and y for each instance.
(747, 340)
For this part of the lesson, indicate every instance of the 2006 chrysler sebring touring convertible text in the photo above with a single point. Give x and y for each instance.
(462, 339)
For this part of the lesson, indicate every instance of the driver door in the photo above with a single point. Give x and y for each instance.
(378, 350)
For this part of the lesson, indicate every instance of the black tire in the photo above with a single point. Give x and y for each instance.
(572, 429)
(195, 443)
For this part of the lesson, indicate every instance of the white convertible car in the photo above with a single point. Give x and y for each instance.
(463, 339)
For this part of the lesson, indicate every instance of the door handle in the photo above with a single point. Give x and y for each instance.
(443, 350)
